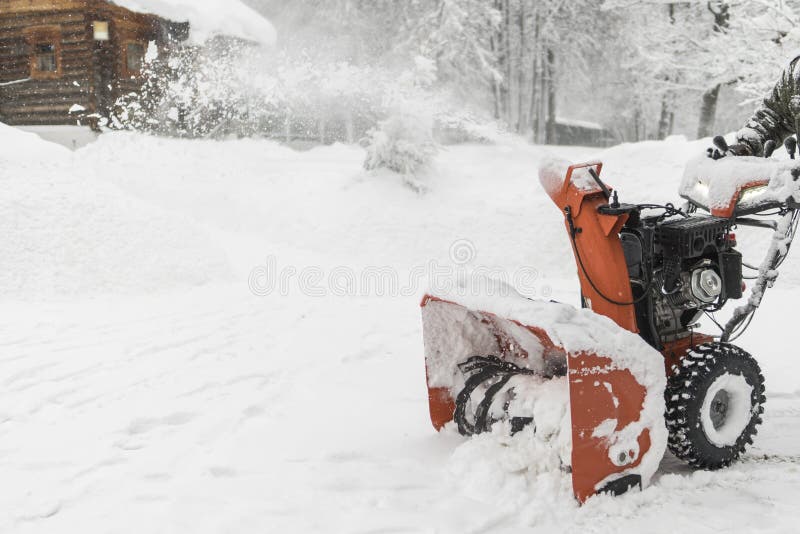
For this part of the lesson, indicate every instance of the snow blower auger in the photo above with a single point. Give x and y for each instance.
(636, 374)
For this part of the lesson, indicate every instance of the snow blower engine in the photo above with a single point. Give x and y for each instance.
(632, 372)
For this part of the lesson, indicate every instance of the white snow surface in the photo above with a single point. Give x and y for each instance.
(74, 233)
(209, 18)
(146, 388)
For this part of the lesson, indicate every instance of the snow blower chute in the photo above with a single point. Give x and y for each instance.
(634, 371)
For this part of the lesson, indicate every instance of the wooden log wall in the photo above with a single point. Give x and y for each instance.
(91, 73)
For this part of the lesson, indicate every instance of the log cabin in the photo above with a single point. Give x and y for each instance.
(63, 59)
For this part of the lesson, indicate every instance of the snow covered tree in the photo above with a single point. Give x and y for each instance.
(708, 46)
(404, 142)
(644, 68)
(457, 35)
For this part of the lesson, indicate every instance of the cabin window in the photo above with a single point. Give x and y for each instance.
(100, 29)
(45, 49)
(46, 57)
(135, 58)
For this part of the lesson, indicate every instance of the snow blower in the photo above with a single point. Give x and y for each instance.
(636, 373)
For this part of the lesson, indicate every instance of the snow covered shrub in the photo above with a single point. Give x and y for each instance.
(402, 143)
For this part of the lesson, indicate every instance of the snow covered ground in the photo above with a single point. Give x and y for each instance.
(225, 337)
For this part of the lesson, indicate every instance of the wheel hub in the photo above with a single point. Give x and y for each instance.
(719, 408)
(727, 409)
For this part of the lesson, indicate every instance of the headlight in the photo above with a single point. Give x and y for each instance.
(751, 195)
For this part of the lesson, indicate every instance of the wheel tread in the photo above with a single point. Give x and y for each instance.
(683, 396)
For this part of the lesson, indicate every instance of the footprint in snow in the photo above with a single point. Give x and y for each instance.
(146, 424)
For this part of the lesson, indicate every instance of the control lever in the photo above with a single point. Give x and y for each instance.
(599, 182)
(615, 207)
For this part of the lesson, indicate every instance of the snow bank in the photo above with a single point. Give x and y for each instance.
(18, 145)
(649, 171)
(68, 231)
(209, 18)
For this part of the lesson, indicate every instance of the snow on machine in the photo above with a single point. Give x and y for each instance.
(636, 374)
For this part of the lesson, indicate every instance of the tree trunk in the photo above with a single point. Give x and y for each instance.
(667, 118)
(708, 108)
(541, 119)
(671, 122)
(521, 70)
(550, 133)
(639, 131)
(509, 66)
(498, 84)
(535, 79)
(708, 113)
(495, 81)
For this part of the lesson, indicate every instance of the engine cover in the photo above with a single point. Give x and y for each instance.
(691, 237)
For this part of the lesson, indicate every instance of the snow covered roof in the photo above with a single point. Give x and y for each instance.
(209, 18)
(579, 123)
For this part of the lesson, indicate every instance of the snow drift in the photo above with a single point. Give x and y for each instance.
(69, 231)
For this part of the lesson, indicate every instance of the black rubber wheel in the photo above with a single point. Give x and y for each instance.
(714, 404)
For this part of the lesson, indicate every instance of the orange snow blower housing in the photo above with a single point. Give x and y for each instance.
(588, 213)
(635, 375)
